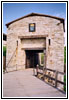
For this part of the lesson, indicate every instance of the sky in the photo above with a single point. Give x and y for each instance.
(12, 11)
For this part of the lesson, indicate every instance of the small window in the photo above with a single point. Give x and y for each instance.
(49, 41)
(32, 27)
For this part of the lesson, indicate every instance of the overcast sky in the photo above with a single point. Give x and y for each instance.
(12, 11)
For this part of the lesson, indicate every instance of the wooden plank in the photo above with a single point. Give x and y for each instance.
(61, 82)
(52, 79)
(47, 76)
(50, 69)
(61, 73)
(56, 73)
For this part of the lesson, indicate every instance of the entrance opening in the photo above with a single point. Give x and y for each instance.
(34, 57)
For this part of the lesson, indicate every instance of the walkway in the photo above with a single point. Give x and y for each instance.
(24, 84)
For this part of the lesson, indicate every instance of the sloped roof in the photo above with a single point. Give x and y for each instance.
(36, 14)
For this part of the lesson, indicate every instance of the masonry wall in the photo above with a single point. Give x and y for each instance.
(44, 26)
(33, 43)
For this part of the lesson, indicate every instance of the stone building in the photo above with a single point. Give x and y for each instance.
(33, 34)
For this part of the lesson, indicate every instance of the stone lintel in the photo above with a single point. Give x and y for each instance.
(33, 36)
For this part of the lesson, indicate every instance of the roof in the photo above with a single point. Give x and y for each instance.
(36, 14)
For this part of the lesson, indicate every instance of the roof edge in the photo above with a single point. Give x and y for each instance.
(32, 14)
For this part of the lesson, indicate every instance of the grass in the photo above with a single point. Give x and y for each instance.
(42, 58)
(4, 50)
(4, 54)
(65, 82)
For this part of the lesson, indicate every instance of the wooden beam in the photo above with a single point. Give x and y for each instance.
(61, 82)
(33, 48)
(33, 36)
(62, 73)
(50, 69)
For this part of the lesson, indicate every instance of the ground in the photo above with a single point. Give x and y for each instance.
(24, 84)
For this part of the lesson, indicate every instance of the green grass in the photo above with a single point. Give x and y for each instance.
(65, 81)
(4, 54)
(4, 50)
(42, 58)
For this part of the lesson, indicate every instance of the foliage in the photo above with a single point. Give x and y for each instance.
(42, 58)
(4, 50)
(64, 81)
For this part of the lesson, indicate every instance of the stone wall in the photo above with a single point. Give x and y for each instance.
(44, 26)
(4, 43)
(33, 43)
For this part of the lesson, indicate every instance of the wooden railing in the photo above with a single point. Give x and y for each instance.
(47, 76)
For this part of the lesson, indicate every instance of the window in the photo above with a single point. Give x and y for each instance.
(32, 27)
(49, 42)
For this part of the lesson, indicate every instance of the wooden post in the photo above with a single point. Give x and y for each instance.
(44, 64)
(33, 66)
(37, 67)
(33, 71)
(16, 56)
(46, 54)
(45, 58)
(56, 73)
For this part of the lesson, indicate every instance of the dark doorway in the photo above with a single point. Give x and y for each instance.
(32, 58)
